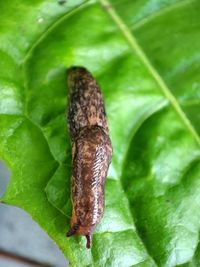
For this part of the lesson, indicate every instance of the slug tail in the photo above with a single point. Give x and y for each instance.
(86, 105)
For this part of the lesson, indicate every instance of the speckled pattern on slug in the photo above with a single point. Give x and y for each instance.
(86, 106)
(91, 151)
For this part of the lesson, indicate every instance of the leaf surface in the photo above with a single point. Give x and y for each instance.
(145, 56)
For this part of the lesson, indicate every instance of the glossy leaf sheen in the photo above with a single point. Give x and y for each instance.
(145, 56)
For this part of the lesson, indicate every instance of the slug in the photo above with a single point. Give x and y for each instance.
(91, 152)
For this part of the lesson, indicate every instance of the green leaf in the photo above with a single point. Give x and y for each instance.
(145, 56)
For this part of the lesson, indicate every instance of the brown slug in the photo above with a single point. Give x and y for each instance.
(91, 151)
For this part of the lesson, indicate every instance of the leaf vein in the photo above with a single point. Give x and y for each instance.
(160, 12)
(51, 27)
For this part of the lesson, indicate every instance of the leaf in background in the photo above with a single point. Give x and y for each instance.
(153, 187)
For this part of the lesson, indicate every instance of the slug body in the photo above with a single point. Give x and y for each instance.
(91, 151)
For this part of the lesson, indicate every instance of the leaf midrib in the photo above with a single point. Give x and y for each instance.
(136, 48)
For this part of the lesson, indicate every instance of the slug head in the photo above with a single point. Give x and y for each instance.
(78, 229)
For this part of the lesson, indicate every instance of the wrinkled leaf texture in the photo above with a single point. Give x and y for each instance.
(145, 56)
